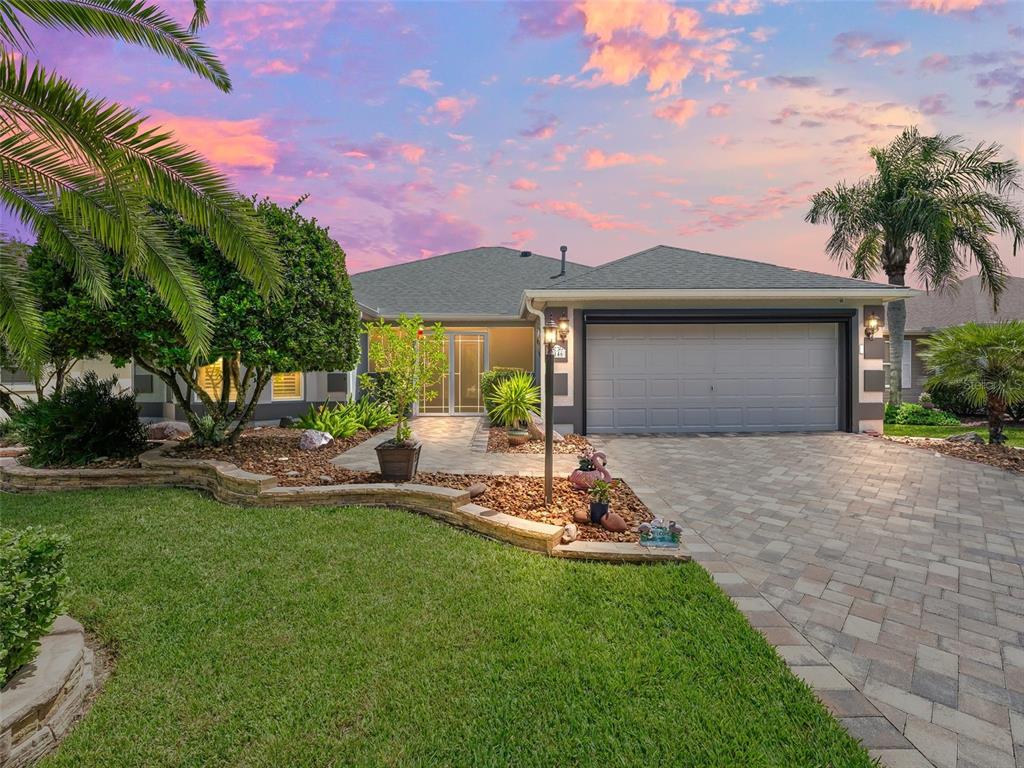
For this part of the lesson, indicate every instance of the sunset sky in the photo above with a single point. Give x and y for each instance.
(421, 128)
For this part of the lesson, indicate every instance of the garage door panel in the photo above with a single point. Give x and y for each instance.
(712, 377)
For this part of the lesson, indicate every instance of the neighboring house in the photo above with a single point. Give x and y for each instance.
(665, 340)
(932, 311)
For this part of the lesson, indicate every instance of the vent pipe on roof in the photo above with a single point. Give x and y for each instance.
(524, 254)
(563, 249)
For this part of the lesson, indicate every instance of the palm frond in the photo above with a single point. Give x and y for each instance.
(21, 323)
(200, 18)
(137, 22)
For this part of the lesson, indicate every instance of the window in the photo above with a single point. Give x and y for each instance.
(211, 377)
(906, 375)
(286, 386)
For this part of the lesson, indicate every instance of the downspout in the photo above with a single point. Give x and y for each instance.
(538, 341)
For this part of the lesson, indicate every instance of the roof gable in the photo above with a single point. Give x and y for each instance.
(665, 267)
(486, 281)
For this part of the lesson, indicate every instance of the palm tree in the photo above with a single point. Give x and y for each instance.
(930, 201)
(985, 363)
(81, 172)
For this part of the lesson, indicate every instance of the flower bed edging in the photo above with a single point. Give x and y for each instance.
(43, 700)
(231, 484)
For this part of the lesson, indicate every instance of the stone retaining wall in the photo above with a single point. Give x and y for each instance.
(228, 483)
(44, 699)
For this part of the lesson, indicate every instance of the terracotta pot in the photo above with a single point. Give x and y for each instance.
(398, 463)
(517, 436)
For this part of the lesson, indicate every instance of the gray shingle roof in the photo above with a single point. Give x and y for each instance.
(668, 268)
(968, 303)
(480, 281)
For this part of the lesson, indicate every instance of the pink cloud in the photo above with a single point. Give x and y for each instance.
(945, 6)
(748, 85)
(430, 232)
(860, 45)
(735, 7)
(276, 67)
(411, 153)
(762, 34)
(524, 185)
(547, 20)
(792, 81)
(382, 148)
(420, 78)
(935, 104)
(600, 222)
(521, 237)
(937, 62)
(678, 111)
(543, 127)
(231, 143)
(596, 159)
(719, 110)
(723, 140)
(731, 211)
(449, 109)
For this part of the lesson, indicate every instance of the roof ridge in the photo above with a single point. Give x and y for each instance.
(515, 251)
(599, 267)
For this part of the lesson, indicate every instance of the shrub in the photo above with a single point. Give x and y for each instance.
(514, 400)
(489, 380)
(32, 582)
(86, 421)
(953, 400)
(345, 419)
(916, 414)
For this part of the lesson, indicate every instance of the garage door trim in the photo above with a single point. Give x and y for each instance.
(841, 317)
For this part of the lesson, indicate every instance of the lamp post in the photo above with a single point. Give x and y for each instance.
(553, 333)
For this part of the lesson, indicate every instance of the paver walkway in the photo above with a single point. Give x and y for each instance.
(457, 444)
(901, 567)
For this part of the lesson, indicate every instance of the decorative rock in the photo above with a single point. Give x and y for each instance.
(293, 473)
(312, 439)
(581, 516)
(535, 426)
(169, 430)
(325, 479)
(613, 522)
(570, 533)
(966, 437)
(286, 421)
(477, 489)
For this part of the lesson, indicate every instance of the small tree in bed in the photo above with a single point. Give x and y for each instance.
(415, 359)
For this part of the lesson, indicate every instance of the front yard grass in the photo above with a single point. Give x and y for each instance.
(353, 636)
(1014, 435)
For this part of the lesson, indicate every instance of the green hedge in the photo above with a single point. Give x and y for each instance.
(32, 583)
(918, 415)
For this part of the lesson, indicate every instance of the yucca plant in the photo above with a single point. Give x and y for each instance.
(985, 363)
(515, 400)
(81, 172)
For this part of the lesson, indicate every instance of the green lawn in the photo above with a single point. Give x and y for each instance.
(335, 637)
(1014, 435)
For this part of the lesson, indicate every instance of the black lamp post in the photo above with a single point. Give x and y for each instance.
(553, 333)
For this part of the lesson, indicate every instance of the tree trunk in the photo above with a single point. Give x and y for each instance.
(896, 322)
(996, 412)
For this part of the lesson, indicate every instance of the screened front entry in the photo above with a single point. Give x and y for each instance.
(459, 390)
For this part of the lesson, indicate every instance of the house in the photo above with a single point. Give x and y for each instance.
(664, 340)
(928, 312)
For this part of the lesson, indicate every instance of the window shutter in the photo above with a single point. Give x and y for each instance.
(287, 386)
(210, 377)
(906, 375)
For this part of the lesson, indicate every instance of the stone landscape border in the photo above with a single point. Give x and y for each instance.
(46, 696)
(231, 484)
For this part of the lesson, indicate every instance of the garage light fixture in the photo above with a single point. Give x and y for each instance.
(871, 325)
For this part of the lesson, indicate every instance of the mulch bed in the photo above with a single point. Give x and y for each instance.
(275, 451)
(1004, 457)
(497, 442)
(524, 497)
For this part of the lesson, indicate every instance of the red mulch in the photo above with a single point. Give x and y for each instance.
(1004, 457)
(275, 451)
(497, 442)
(524, 497)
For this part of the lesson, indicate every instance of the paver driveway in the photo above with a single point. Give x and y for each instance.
(901, 566)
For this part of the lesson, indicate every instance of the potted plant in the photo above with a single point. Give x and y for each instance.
(590, 470)
(414, 360)
(514, 400)
(600, 498)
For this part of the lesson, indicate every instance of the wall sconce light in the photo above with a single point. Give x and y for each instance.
(563, 328)
(550, 335)
(871, 325)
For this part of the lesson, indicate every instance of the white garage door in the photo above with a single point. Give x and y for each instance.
(770, 377)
